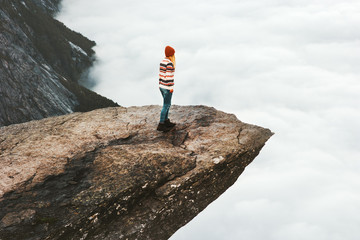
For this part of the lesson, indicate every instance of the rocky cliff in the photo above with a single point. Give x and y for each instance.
(41, 62)
(108, 174)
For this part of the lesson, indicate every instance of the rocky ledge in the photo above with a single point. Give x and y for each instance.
(108, 174)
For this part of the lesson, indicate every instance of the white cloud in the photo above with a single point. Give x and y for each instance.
(291, 66)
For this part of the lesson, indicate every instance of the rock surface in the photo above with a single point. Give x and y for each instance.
(41, 62)
(108, 174)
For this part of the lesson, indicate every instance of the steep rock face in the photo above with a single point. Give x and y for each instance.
(49, 6)
(108, 174)
(40, 63)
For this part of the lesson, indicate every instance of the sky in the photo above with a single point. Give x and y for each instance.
(290, 66)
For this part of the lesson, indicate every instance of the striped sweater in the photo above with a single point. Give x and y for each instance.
(166, 75)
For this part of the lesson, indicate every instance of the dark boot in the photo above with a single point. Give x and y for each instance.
(169, 124)
(162, 127)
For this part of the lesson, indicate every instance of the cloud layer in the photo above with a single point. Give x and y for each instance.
(291, 66)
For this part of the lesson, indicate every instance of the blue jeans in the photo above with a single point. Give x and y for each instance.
(166, 105)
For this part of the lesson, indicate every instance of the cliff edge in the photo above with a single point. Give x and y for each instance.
(108, 174)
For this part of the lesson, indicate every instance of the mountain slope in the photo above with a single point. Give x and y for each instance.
(41, 62)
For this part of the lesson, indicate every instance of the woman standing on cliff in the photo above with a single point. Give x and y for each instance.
(166, 85)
